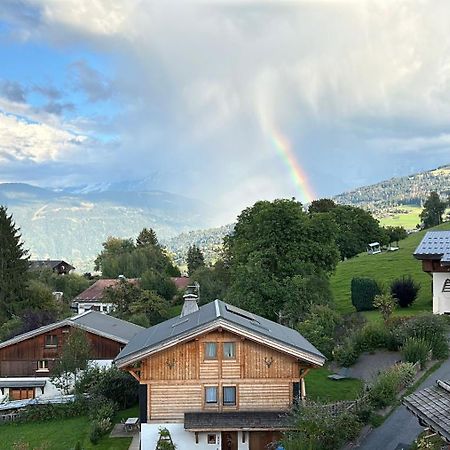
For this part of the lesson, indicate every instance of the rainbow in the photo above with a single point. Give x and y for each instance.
(298, 175)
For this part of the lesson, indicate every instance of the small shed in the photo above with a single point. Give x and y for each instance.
(373, 248)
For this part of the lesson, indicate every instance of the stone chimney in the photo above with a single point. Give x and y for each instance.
(190, 304)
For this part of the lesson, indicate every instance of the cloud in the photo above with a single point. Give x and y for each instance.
(37, 142)
(91, 82)
(58, 107)
(13, 91)
(202, 85)
(49, 92)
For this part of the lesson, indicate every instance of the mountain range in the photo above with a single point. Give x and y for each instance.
(71, 223)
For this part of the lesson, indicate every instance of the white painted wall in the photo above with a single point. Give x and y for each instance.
(104, 307)
(184, 440)
(441, 300)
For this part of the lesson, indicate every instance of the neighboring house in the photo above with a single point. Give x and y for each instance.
(58, 266)
(92, 297)
(218, 377)
(434, 252)
(181, 283)
(26, 360)
(432, 407)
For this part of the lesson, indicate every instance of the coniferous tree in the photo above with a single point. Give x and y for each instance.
(147, 237)
(433, 209)
(13, 267)
(195, 259)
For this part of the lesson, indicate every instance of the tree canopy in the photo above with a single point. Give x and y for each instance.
(433, 210)
(13, 268)
(274, 250)
(195, 259)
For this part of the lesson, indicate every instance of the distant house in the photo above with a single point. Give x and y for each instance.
(218, 377)
(58, 266)
(432, 408)
(26, 361)
(434, 252)
(181, 283)
(92, 297)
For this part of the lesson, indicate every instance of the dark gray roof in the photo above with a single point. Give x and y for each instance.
(50, 263)
(432, 406)
(179, 327)
(92, 321)
(107, 325)
(435, 245)
(241, 420)
(22, 383)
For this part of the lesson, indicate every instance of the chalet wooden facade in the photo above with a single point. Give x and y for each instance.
(434, 252)
(218, 376)
(28, 358)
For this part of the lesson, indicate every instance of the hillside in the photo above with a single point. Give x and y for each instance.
(73, 225)
(399, 196)
(384, 268)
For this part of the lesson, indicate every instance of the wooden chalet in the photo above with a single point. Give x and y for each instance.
(58, 266)
(26, 361)
(218, 375)
(434, 252)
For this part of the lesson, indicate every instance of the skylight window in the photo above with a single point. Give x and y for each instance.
(241, 313)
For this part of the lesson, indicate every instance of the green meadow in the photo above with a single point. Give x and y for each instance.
(385, 268)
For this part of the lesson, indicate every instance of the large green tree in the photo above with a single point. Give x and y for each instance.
(275, 248)
(356, 229)
(146, 238)
(195, 259)
(433, 210)
(13, 267)
(214, 281)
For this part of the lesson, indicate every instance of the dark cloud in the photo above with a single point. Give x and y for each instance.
(58, 107)
(89, 81)
(48, 91)
(13, 91)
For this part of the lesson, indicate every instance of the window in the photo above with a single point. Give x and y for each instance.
(212, 439)
(42, 365)
(210, 350)
(51, 340)
(229, 395)
(229, 350)
(211, 394)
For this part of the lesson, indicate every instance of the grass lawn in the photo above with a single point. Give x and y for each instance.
(320, 387)
(61, 434)
(409, 219)
(384, 268)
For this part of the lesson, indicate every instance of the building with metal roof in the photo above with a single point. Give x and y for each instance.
(434, 252)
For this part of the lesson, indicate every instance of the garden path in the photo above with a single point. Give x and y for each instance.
(370, 364)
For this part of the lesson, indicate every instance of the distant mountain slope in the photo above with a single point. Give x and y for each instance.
(73, 225)
(408, 190)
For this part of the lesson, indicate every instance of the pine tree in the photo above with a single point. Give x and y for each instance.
(147, 237)
(13, 267)
(195, 259)
(433, 209)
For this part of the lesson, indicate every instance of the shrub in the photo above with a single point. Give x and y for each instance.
(364, 291)
(386, 304)
(405, 291)
(101, 408)
(319, 429)
(431, 328)
(346, 354)
(111, 383)
(319, 328)
(416, 350)
(389, 383)
(371, 337)
(95, 433)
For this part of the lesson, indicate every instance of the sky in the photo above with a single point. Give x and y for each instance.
(225, 101)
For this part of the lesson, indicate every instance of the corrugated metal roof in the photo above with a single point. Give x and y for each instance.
(178, 327)
(435, 245)
(432, 406)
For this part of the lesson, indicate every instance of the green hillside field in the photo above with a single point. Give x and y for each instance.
(384, 268)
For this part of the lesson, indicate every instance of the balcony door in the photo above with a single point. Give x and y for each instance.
(229, 440)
